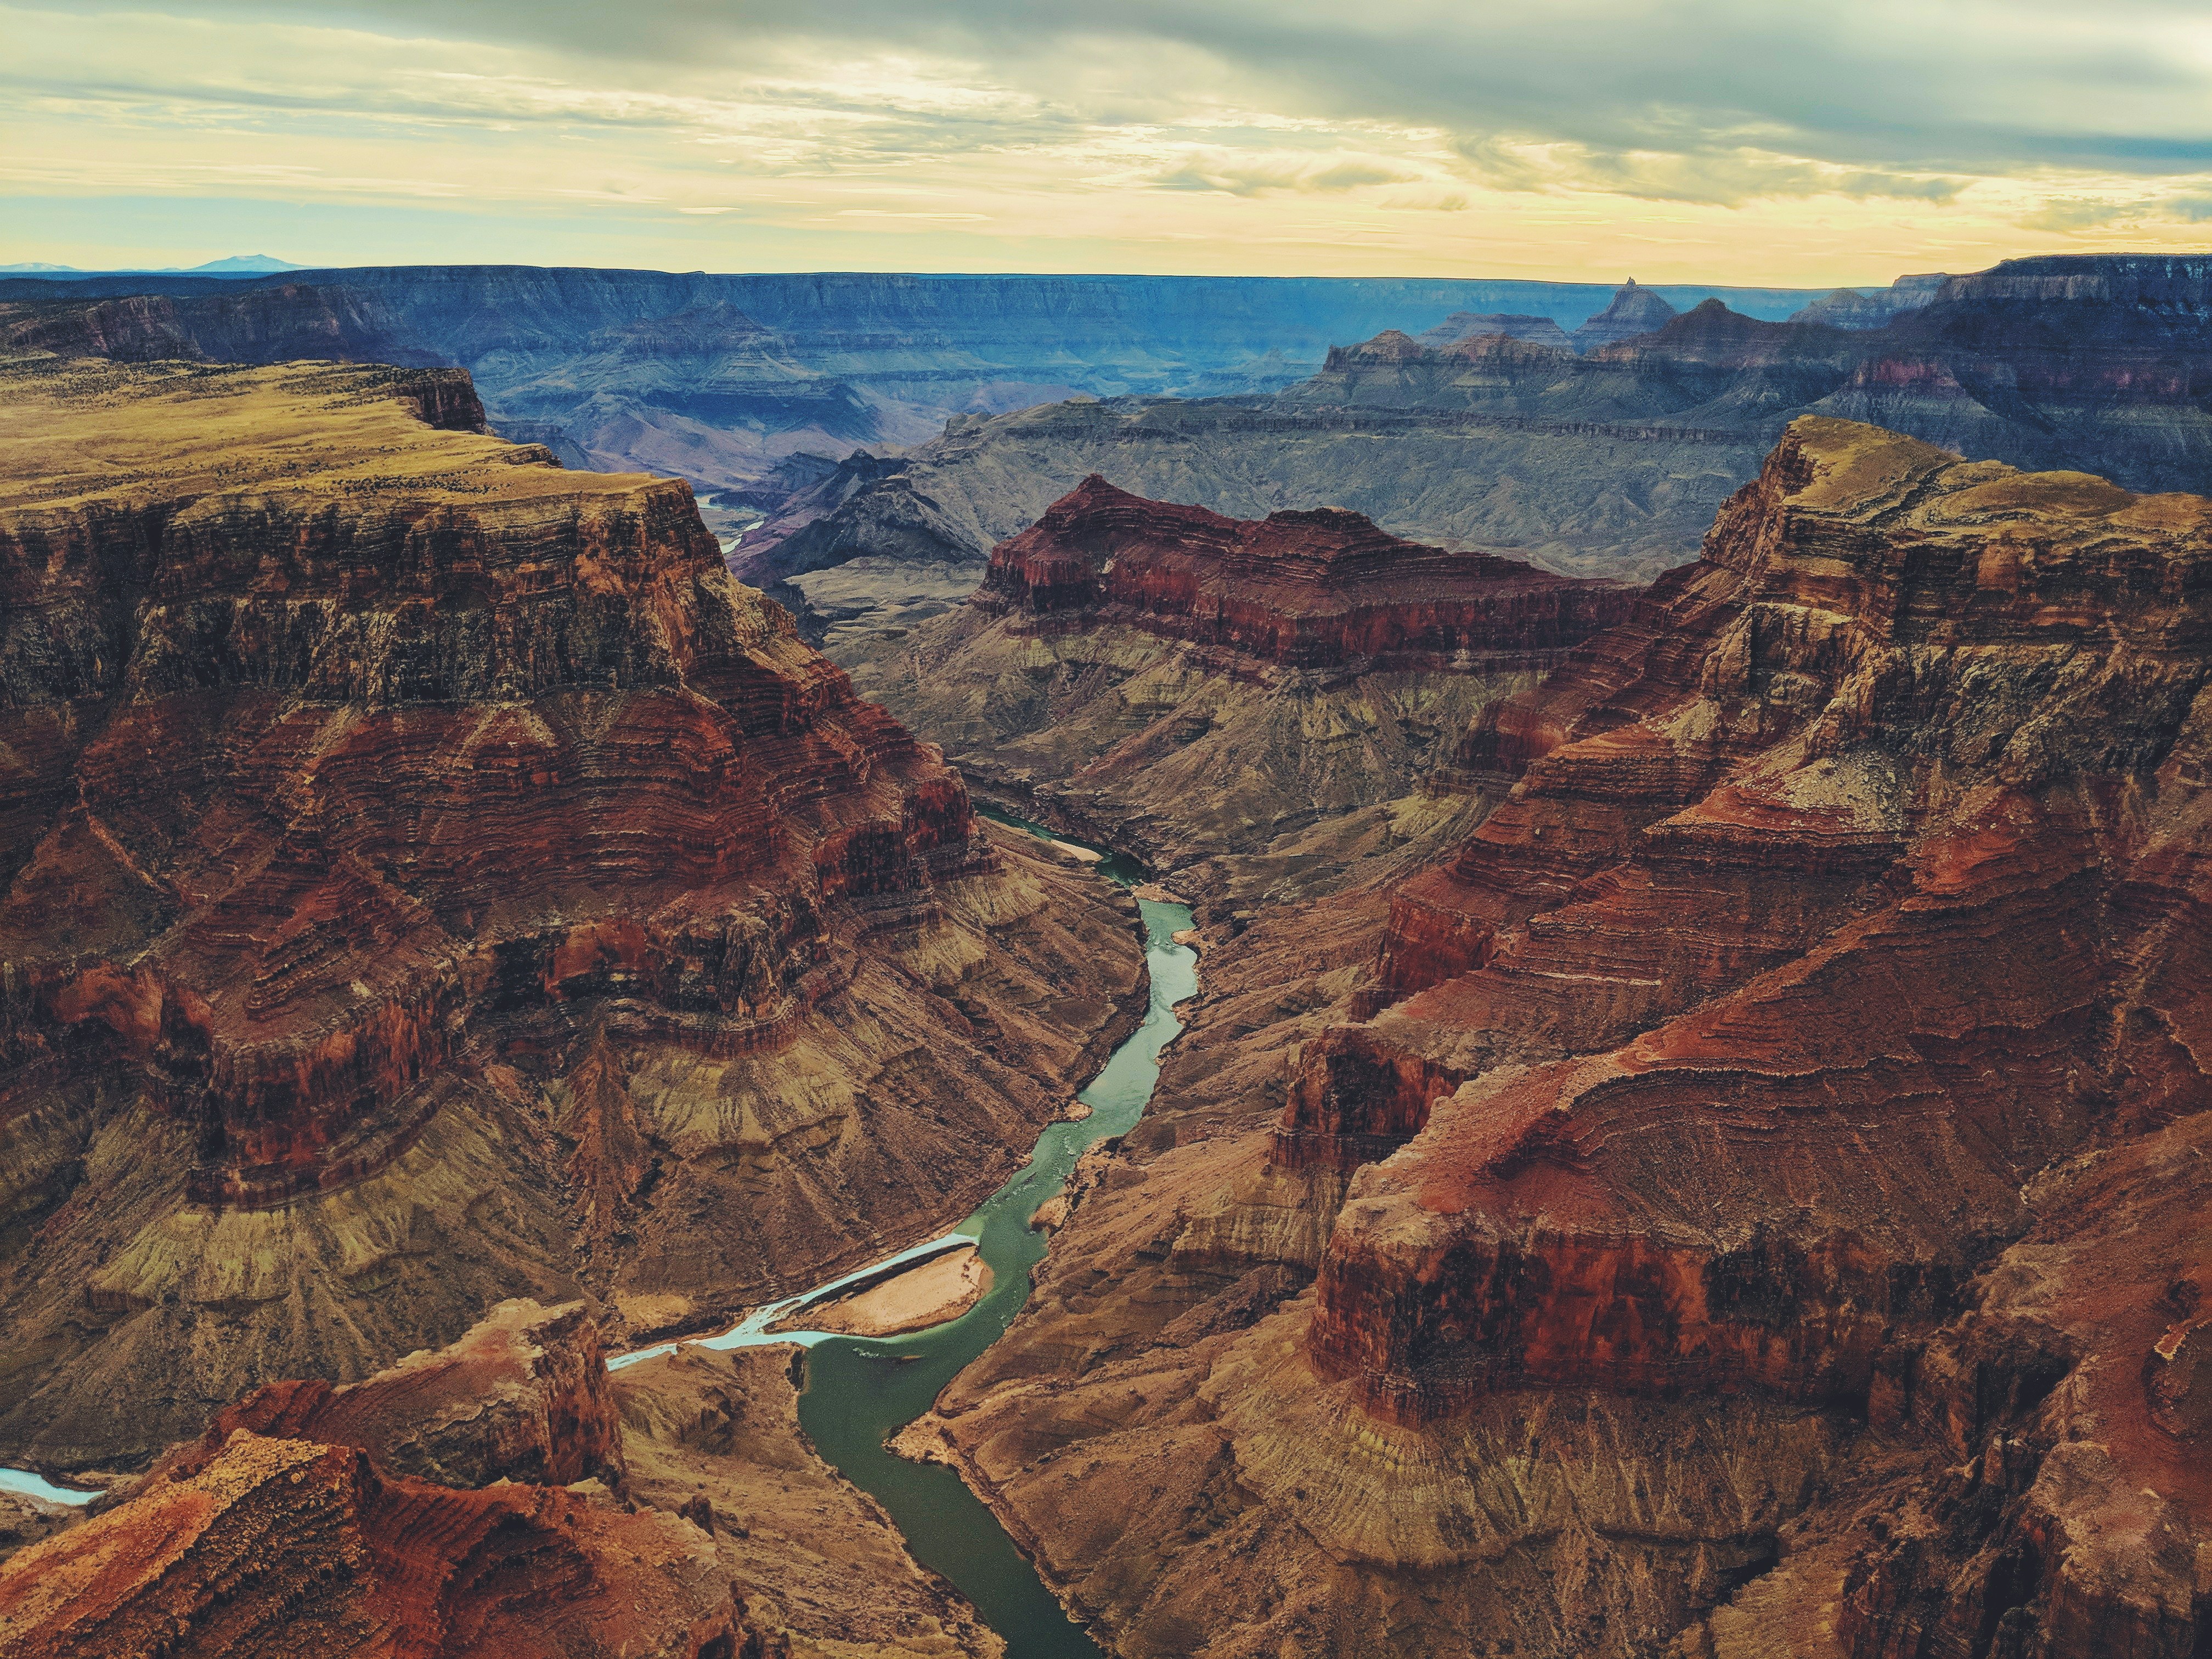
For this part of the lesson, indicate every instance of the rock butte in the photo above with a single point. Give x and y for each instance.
(1190, 685)
(1752, 1198)
(430, 878)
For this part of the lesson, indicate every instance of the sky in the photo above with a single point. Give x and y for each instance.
(1586, 140)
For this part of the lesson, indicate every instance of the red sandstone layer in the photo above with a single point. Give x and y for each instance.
(426, 877)
(1312, 589)
(1856, 878)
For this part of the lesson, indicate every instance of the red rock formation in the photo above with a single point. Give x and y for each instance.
(401, 826)
(420, 1512)
(1852, 882)
(590, 712)
(288, 1548)
(1319, 588)
(524, 1396)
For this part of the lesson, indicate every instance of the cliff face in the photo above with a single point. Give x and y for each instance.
(1318, 589)
(431, 878)
(1748, 1204)
(1913, 737)
(1199, 687)
(300, 1524)
(1609, 463)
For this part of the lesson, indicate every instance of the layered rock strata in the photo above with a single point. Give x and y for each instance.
(505, 1496)
(1197, 687)
(1610, 461)
(432, 879)
(1748, 1202)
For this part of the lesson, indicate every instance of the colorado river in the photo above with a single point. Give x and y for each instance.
(859, 1391)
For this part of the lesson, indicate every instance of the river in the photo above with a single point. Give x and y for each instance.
(859, 1392)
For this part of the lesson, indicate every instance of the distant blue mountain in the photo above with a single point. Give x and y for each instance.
(238, 265)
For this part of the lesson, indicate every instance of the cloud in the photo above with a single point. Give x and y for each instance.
(1549, 138)
(1255, 172)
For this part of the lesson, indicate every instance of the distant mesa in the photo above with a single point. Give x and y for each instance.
(1316, 588)
(1849, 307)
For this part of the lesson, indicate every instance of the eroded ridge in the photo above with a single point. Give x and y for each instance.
(430, 876)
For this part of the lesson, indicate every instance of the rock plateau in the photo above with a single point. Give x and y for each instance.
(1195, 687)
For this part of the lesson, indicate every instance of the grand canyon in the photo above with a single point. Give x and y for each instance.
(851, 964)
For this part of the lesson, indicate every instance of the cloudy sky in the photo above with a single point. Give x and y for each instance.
(1592, 139)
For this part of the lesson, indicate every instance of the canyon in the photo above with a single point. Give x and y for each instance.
(430, 879)
(1746, 1198)
(1691, 1144)
(727, 381)
(1247, 703)
(1607, 453)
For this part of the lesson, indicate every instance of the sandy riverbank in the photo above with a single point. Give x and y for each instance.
(942, 1288)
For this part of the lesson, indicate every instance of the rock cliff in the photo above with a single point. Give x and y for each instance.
(431, 879)
(1196, 687)
(1608, 463)
(1749, 1203)
(504, 1496)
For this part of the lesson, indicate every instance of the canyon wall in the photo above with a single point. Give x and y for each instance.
(1605, 454)
(429, 879)
(1242, 702)
(1745, 1201)
(725, 379)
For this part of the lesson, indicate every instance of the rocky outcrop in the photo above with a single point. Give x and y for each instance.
(1467, 324)
(290, 1547)
(1634, 311)
(504, 1496)
(1199, 688)
(1321, 589)
(1757, 1171)
(432, 879)
(1869, 746)
(525, 1395)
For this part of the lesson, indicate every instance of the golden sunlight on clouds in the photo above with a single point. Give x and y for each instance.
(1261, 144)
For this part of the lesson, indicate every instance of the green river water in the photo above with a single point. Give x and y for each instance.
(860, 1391)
